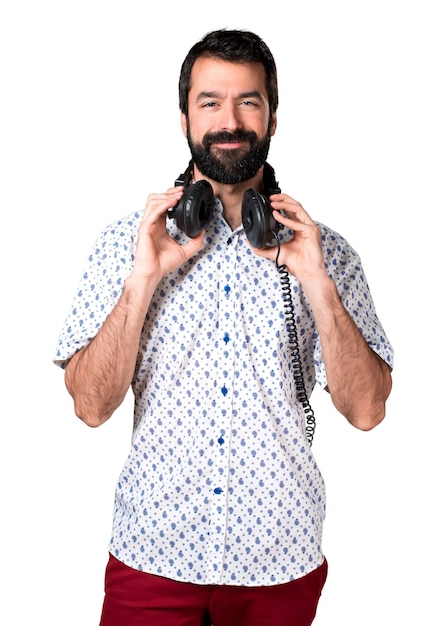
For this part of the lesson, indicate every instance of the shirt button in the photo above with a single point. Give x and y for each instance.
(224, 390)
(218, 491)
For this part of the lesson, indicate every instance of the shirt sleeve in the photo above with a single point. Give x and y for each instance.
(99, 289)
(345, 268)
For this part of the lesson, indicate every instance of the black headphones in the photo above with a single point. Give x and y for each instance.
(195, 208)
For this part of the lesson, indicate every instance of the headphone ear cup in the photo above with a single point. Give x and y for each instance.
(195, 208)
(258, 221)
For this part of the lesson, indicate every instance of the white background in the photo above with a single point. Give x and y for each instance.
(89, 125)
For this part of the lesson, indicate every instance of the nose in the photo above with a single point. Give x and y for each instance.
(230, 118)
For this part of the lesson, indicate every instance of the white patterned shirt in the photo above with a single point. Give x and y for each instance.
(220, 485)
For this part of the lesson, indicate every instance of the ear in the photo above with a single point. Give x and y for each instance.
(184, 124)
(273, 124)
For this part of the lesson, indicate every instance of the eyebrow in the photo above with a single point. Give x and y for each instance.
(215, 94)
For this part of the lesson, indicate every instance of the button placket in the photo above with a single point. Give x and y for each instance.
(224, 384)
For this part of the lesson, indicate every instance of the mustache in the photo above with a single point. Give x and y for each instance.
(224, 136)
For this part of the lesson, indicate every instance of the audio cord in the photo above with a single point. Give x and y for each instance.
(297, 369)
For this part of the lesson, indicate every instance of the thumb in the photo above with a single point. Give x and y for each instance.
(194, 245)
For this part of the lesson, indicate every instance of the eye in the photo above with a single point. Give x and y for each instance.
(249, 104)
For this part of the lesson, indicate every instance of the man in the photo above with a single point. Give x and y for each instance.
(220, 504)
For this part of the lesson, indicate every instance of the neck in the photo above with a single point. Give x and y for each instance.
(231, 196)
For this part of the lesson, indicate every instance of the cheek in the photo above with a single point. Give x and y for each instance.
(197, 132)
(192, 126)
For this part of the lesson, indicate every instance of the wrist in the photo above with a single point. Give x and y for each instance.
(138, 290)
(320, 290)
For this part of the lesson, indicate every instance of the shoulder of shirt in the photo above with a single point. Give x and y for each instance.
(333, 237)
(127, 225)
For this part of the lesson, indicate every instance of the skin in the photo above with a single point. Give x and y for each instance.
(228, 96)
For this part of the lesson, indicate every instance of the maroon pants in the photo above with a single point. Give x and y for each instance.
(134, 598)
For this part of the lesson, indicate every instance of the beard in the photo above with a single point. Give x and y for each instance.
(231, 166)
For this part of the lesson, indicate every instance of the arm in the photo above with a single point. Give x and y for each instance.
(358, 380)
(99, 375)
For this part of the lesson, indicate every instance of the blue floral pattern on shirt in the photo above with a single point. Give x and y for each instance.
(220, 485)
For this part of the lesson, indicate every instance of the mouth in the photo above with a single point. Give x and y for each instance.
(228, 146)
(227, 141)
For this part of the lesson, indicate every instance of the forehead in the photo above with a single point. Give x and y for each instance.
(213, 75)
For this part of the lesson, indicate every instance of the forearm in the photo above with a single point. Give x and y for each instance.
(358, 380)
(99, 375)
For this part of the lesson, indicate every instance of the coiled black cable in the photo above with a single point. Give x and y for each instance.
(297, 369)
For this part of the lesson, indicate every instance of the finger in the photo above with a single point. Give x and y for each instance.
(296, 224)
(194, 245)
(172, 193)
(282, 197)
(292, 210)
(158, 204)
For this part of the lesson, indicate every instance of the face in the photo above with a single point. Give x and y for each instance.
(228, 126)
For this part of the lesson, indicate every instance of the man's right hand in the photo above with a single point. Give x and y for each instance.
(157, 253)
(99, 375)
